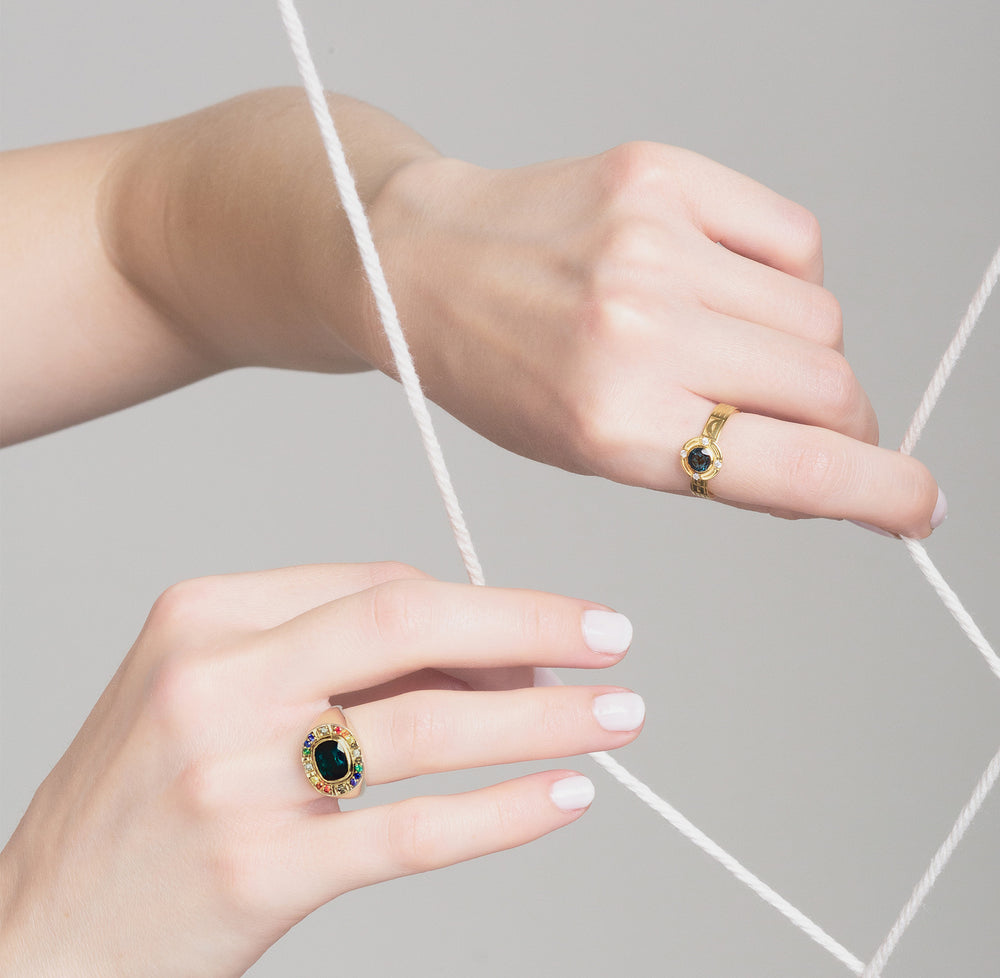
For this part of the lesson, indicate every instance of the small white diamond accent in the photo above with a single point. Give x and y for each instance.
(718, 463)
(704, 441)
(696, 477)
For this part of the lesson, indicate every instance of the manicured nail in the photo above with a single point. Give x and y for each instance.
(607, 631)
(572, 794)
(619, 711)
(940, 513)
(874, 529)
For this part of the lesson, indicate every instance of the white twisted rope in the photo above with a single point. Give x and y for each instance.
(922, 559)
(418, 405)
(936, 580)
(351, 203)
(951, 355)
(940, 860)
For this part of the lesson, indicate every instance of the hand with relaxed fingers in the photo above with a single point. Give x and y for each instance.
(180, 836)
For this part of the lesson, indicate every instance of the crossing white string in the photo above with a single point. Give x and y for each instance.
(354, 210)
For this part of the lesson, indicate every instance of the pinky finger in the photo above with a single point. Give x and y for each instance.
(358, 848)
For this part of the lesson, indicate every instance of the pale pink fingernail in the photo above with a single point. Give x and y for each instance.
(874, 529)
(619, 711)
(606, 631)
(940, 513)
(572, 794)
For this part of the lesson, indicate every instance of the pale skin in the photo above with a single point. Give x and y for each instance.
(179, 836)
(587, 313)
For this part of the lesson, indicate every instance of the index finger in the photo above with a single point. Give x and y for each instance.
(371, 637)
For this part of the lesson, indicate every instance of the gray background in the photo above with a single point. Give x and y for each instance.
(832, 719)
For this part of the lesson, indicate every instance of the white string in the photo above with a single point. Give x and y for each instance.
(418, 405)
(380, 288)
(934, 577)
(691, 832)
(922, 559)
(940, 860)
(951, 355)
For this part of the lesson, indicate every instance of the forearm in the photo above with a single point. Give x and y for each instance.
(137, 262)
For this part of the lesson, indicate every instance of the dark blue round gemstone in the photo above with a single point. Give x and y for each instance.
(699, 459)
(331, 760)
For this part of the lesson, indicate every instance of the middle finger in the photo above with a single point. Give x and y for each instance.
(433, 731)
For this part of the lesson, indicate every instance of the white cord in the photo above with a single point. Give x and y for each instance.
(380, 289)
(418, 405)
(940, 860)
(965, 621)
(955, 349)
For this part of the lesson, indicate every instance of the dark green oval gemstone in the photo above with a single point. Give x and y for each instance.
(699, 459)
(331, 760)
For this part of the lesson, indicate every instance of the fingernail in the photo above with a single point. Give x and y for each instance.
(572, 794)
(940, 513)
(606, 631)
(874, 529)
(619, 711)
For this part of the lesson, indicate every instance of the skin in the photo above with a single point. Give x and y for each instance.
(178, 836)
(586, 313)
(604, 305)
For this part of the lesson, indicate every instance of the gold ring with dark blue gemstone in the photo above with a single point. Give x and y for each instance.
(332, 758)
(701, 455)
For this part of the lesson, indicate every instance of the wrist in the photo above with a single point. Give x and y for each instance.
(18, 956)
(420, 224)
(228, 223)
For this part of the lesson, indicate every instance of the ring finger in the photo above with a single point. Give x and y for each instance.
(433, 731)
(795, 468)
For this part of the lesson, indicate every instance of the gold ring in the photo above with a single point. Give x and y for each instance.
(332, 758)
(701, 455)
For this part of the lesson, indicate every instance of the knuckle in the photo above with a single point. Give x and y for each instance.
(381, 572)
(817, 470)
(201, 790)
(836, 389)
(181, 693)
(608, 322)
(557, 722)
(829, 317)
(631, 166)
(184, 608)
(398, 611)
(413, 732)
(411, 837)
(623, 247)
(539, 622)
(598, 433)
(804, 232)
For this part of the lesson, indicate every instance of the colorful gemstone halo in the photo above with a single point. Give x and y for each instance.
(332, 761)
(701, 458)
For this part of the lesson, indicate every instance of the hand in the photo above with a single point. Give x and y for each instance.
(178, 835)
(587, 313)
(590, 313)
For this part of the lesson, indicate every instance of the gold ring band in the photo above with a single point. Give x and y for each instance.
(701, 456)
(332, 759)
